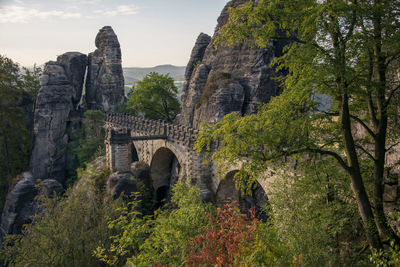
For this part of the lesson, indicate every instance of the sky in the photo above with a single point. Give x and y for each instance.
(151, 32)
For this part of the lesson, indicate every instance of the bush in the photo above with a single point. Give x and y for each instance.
(161, 239)
(69, 228)
(224, 238)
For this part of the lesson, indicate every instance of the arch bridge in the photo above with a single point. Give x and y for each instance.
(165, 147)
(168, 149)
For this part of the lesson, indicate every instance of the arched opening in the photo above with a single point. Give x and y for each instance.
(256, 200)
(226, 189)
(164, 172)
(134, 154)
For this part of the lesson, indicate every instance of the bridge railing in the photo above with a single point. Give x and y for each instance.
(178, 133)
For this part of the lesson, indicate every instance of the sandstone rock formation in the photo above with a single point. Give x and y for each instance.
(230, 79)
(105, 80)
(20, 204)
(57, 117)
(61, 87)
(118, 183)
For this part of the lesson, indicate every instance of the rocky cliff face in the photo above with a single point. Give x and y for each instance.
(230, 79)
(60, 92)
(55, 111)
(105, 80)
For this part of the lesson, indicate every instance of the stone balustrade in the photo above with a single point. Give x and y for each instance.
(172, 132)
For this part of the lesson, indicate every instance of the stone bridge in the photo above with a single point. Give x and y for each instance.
(161, 145)
(168, 150)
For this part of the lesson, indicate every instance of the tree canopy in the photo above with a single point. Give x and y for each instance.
(155, 97)
(346, 50)
(15, 138)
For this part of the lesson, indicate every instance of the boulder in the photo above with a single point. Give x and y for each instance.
(105, 80)
(118, 183)
(141, 171)
(52, 187)
(19, 206)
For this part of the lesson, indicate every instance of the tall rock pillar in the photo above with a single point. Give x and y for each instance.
(105, 80)
(59, 94)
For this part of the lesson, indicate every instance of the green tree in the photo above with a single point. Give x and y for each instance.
(155, 97)
(15, 139)
(70, 227)
(92, 137)
(348, 50)
(29, 80)
(162, 240)
(87, 143)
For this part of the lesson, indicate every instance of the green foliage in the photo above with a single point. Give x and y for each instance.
(346, 51)
(162, 239)
(155, 97)
(88, 143)
(30, 80)
(316, 216)
(132, 229)
(15, 139)
(267, 249)
(69, 228)
(390, 257)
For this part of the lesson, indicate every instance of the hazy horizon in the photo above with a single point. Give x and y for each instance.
(151, 32)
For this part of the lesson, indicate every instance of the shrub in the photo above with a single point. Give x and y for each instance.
(69, 228)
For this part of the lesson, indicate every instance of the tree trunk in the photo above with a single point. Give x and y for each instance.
(357, 185)
(380, 141)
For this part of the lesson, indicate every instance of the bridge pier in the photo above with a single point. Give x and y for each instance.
(118, 150)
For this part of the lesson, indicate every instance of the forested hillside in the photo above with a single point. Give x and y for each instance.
(284, 151)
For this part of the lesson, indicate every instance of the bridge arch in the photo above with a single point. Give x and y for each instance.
(226, 189)
(133, 152)
(165, 170)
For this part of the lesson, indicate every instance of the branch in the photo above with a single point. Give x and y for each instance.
(392, 146)
(332, 154)
(365, 151)
(321, 152)
(371, 107)
(352, 25)
(387, 102)
(296, 39)
(357, 119)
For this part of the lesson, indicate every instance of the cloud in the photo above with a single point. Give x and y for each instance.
(92, 2)
(119, 10)
(20, 14)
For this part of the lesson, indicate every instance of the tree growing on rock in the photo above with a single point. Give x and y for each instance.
(155, 97)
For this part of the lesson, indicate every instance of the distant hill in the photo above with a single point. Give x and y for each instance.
(133, 74)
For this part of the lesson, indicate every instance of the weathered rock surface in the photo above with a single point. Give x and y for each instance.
(230, 79)
(141, 171)
(119, 183)
(61, 86)
(105, 80)
(203, 40)
(19, 206)
(52, 187)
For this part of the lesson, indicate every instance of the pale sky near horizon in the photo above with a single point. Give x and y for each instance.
(151, 32)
